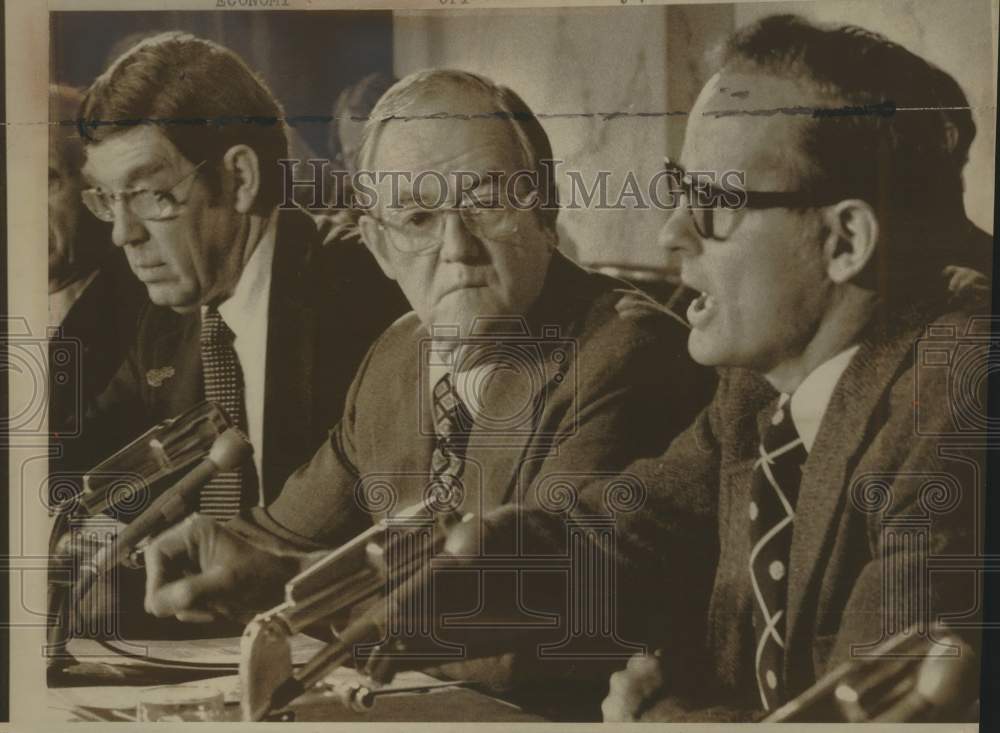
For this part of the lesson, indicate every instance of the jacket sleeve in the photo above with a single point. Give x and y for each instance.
(614, 465)
(316, 508)
(936, 493)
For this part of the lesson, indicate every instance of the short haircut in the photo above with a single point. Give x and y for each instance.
(884, 137)
(64, 137)
(530, 136)
(202, 96)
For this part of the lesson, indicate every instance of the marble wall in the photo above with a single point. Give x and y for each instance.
(956, 35)
(605, 80)
(574, 67)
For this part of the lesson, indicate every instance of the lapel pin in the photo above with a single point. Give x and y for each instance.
(156, 377)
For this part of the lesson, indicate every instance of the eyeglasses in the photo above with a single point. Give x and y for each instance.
(144, 203)
(716, 211)
(419, 230)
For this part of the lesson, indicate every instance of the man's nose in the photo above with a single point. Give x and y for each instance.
(458, 244)
(678, 235)
(128, 228)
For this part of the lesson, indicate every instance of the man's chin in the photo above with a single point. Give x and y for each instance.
(172, 300)
(704, 350)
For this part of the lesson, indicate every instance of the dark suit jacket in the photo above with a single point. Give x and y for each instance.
(888, 449)
(328, 302)
(100, 327)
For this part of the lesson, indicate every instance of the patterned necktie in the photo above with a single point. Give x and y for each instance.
(777, 474)
(452, 425)
(221, 497)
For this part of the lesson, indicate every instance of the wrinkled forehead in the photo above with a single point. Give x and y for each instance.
(448, 131)
(754, 122)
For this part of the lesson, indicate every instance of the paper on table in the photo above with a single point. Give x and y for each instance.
(126, 698)
(203, 651)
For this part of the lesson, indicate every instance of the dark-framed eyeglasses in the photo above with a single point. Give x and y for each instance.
(716, 210)
(420, 230)
(146, 204)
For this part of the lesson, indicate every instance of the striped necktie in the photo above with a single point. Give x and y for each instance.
(777, 474)
(221, 497)
(452, 425)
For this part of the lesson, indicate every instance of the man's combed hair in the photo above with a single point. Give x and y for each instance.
(895, 132)
(203, 98)
(530, 135)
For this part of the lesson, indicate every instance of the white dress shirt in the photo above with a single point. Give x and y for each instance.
(810, 400)
(61, 301)
(245, 312)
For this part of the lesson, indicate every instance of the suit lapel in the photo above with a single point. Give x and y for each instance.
(172, 377)
(499, 454)
(524, 390)
(843, 433)
(291, 354)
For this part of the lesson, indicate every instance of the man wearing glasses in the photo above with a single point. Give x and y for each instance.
(514, 368)
(249, 308)
(833, 426)
(244, 295)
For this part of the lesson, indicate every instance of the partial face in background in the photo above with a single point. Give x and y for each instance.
(65, 212)
(467, 275)
(349, 134)
(764, 289)
(195, 256)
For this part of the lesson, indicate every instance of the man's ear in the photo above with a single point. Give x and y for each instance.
(852, 235)
(242, 167)
(371, 235)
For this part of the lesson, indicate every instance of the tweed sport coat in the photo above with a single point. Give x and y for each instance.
(622, 389)
(898, 450)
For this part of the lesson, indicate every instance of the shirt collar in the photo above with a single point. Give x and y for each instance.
(243, 308)
(810, 400)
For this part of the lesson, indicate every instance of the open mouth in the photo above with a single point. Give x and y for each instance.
(701, 309)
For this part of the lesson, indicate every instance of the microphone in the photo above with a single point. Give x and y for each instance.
(228, 452)
(912, 677)
(943, 684)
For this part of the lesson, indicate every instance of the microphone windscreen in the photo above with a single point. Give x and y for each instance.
(230, 450)
(945, 681)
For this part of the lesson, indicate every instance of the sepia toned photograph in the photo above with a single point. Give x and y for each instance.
(467, 362)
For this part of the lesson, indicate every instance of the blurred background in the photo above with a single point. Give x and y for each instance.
(612, 84)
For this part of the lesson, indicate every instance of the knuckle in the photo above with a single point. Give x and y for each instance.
(618, 682)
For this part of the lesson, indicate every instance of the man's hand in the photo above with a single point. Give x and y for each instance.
(199, 571)
(633, 689)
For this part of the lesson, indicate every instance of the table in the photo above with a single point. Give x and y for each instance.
(107, 688)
